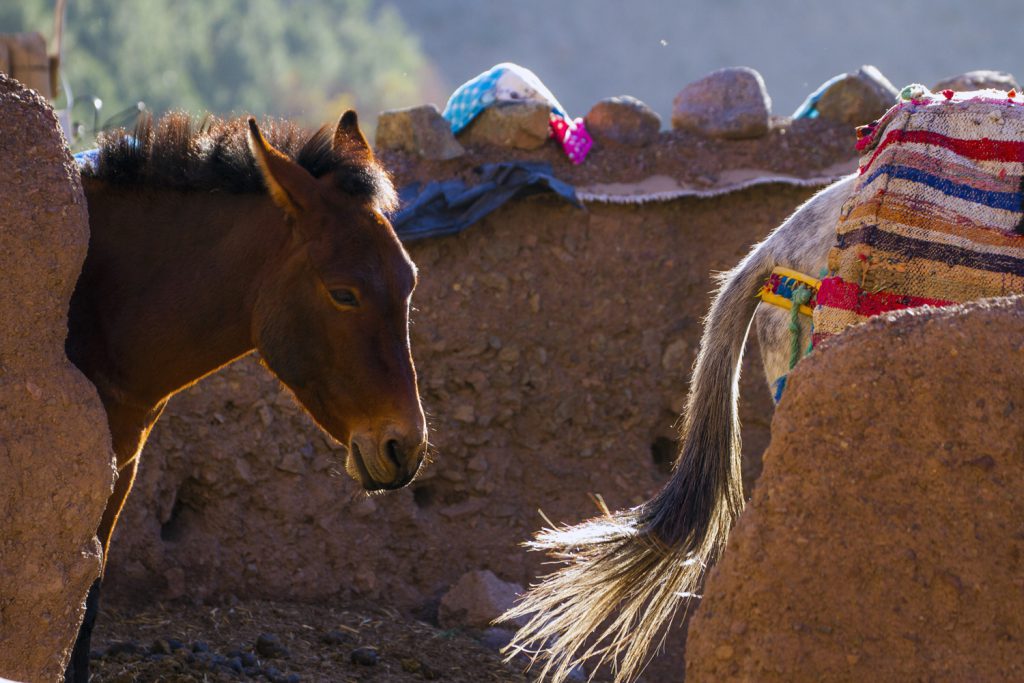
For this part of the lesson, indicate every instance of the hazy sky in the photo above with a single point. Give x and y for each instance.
(585, 50)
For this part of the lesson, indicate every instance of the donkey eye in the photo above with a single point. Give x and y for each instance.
(345, 297)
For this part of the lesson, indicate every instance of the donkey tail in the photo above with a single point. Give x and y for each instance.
(626, 574)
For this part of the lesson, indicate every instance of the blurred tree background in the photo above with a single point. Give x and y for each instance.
(301, 59)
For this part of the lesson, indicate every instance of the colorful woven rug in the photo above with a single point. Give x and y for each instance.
(937, 215)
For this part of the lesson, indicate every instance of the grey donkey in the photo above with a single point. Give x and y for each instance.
(627, 573)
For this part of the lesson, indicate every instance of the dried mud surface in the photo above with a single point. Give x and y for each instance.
(884, 539)
(56, 466)
(553, 345)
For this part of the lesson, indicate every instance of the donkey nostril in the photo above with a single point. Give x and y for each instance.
(391, 448)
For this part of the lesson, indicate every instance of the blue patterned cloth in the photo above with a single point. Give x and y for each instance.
(809, 108)
(89, 159)
(449, 206)
(505, 82)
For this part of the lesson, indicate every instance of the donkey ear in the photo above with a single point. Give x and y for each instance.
(348, 136)
(290, 186)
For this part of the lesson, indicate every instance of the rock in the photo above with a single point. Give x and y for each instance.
(623, 120)
(857, 98)
(496, 637)
(728, 103)
(335, 637)
(847, 555)
(978, 80)
(270, 646)
(477, 599)
(521, 125)
(161, 646)
(419, 130)
(365, 656)
(676, 356)
(464, 413)
(291, 462)
(57, 466)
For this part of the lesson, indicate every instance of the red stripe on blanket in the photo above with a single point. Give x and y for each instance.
(848, 296)
(984, 149)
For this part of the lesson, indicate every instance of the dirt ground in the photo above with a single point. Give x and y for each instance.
(286, 643)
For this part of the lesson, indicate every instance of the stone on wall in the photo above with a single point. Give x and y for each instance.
(420, 130)
(521, 125)
(857, 98)
(728, 103)
(623, 120)
(56, 465)
(884, 541)
(978, 80)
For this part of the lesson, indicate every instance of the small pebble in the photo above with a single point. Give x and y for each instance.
(367, 656)
(249, 659)
(269, 645)
(175, 644)
(335, 638)
(235, 664)
(200, 646)
(160, 647)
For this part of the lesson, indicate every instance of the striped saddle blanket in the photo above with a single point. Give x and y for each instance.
(937, 215)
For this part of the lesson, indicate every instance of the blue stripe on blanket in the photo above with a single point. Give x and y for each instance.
(1008, 201)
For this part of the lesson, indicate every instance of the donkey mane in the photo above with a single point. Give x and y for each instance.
(212, 154)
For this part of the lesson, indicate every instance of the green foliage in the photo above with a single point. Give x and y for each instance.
(304, 59)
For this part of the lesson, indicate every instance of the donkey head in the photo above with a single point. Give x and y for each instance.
(331, 317)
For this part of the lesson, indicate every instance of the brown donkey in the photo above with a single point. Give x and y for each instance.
(206, 243)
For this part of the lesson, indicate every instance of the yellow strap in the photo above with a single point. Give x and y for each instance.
(806, 279)
(782, 302)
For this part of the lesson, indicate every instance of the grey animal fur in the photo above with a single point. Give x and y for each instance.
(626, 574)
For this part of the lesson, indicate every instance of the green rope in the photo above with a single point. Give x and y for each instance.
(801, 295)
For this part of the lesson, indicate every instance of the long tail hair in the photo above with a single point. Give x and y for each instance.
(626, 574)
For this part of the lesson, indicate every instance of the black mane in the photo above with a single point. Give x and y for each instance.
(177, 152)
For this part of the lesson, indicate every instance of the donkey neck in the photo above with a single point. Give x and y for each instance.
(167, 289)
